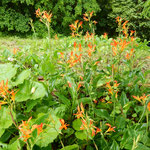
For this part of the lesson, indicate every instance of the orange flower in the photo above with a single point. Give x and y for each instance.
(98, 130)
(81, 77)
(118, 19)
(25, 130)
(110, 128)
(38, 127)
(91, 13)
(80, 48)
(13, 95)
(95, 101)
(15, 50)
(140, 99)
(116, 84)
(105, 35)
(80, 113)
(75, 44)
(69, 84)
(63, 124)
(148, 106)
(4, 88)
(132, 32)
(96, 62)
(86, 19)
(38, 13)
(79, 85)
(84, 125)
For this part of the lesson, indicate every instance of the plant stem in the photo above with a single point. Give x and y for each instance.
(12, 117)
(95, 145)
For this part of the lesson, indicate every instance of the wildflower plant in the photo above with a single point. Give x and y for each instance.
(45, 17)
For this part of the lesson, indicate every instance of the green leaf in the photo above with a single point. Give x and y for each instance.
(85, 100)
(120, 122)
(103, 114)
(124, 100)
(142, 147)
(64, 100)
(77, 124)
(51, 132)
(21, 77)
(7, 71)
(14, 146)
(81, 135)
(25, 91)
(102, 81)
(73, 88)
(114, 146)
(39, 90)
(5, 119)
(30, 104)
(71, 147)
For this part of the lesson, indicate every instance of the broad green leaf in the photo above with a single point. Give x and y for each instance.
(14, 145)
(81, 135)
(2, 130)
(39, 90)
(51, 132)
(5, 119)
(77, 124)
(103, 114)
(30, 104)
(7, 71)
(120, 122)
(21, 77)
(71, 147)
(25, 91)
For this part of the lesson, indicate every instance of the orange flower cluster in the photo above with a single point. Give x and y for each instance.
(87, 124)
(91, 49)
(75, 28)
(8, 96)
(63, 124)
(74, 58)
(141, 99)
(128, 55)
(88, 16)
(88, 36)
(44, 15)
(119, 46)
(113, 89)
(26, 130)
(80, 112)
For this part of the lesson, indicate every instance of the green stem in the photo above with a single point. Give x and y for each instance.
(141, 117)
(95, 145)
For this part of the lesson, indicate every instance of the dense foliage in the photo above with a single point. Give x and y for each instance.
(81, 92)
(15, 15)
